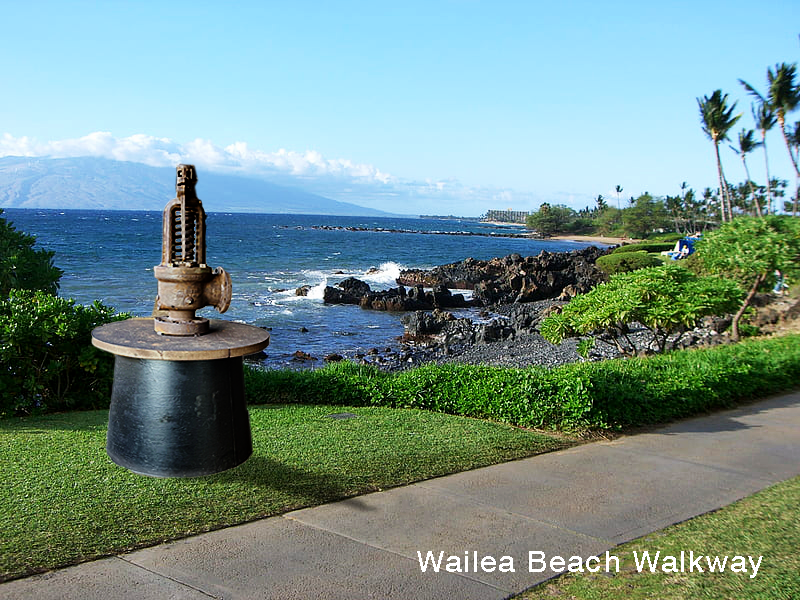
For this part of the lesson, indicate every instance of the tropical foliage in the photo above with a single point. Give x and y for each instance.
(717, 119)
(749, 251)
(552, 219)
(47, 361)
(781, 98)
(625, 262)
(22, 266)
(665, 300)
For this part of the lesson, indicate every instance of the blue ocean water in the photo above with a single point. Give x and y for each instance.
(110, 255)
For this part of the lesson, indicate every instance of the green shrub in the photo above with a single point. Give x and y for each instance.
(601, 395)
(665, 237)
(664, 299)
(611, 264)
(749, 250)
(47, 362)
(656, 247)
(22, 267)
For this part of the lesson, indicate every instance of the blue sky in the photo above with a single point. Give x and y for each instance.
(439, 106)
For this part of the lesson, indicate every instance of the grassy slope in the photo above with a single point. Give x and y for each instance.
(62, 499)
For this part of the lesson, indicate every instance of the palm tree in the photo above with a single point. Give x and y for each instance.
(783, 96)
(765, 120)
(717, 119)
(619, 191)
(746, 145)
(601, 203)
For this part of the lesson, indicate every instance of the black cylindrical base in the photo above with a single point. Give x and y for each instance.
(178, 418)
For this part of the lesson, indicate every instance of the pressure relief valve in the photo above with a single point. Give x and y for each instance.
(185, 282)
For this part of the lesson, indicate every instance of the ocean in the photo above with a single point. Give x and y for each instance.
(110, 255)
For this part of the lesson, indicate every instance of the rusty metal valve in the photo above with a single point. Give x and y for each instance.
(185, 283)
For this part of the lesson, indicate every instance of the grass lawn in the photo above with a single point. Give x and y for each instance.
(62, 499)
(765, 524)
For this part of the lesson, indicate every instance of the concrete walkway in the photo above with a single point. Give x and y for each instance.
(581, 501)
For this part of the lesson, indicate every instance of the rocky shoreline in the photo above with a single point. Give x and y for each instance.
(494, 322)
(497, 321)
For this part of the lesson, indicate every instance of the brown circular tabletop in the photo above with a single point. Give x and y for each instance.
(136, 338)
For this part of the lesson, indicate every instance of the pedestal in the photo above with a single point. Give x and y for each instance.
(177, 405)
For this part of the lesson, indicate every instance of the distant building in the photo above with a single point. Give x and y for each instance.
(506, 216)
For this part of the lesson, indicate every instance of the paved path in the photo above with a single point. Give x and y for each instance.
(580, 501)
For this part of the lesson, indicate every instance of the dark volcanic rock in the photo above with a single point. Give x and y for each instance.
(416, 298)
(349, 291)
(516, 279)
(355, 291)
(421, 323)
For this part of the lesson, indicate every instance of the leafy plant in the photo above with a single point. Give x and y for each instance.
(748, 251)
(550, 220)
(647, 246)
(666, 300)
(625, 262)
(22, 267)
(47, 362)
(645, 215)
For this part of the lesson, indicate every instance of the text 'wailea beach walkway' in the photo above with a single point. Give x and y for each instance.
(487, 533)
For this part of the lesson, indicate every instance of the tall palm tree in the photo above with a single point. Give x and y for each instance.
(601, 203)
(746, 145)
(618, 189)
(783, 96)
(765, 119)
(717, 119)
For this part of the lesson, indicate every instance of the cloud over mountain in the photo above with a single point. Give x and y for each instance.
(337, 178)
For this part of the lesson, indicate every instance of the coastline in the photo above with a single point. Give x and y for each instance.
(611, 241)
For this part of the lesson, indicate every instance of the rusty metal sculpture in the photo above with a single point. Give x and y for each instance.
(177, 405)
(185, 282)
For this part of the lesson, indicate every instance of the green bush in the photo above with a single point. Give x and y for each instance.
(603, 395)
(612, 263)
(656, 247)
(22, 267)
(665, 237)
(47, 362)
(665, 300)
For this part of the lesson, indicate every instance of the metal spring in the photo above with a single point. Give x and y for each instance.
(183, 249)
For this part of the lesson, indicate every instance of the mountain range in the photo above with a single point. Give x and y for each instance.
(100, 183)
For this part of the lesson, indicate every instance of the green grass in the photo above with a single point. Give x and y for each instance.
(62, 500)
(764, 524)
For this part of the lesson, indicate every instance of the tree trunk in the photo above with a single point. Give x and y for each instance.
(766, 165)
(781, 124)
(750, 295)
(723, 187)
(752, 189)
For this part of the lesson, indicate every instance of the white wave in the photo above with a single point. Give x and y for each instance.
(318, 291)
(384, 276)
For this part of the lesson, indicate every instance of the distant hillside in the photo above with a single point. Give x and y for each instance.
(98, 183)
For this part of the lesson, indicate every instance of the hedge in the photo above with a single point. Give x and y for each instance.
(611, 264)
(656, 247)
(611, 394)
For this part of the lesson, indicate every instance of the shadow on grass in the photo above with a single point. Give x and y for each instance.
(309, 487)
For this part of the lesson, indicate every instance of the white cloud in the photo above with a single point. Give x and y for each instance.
(156, 151)
(338, 178)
